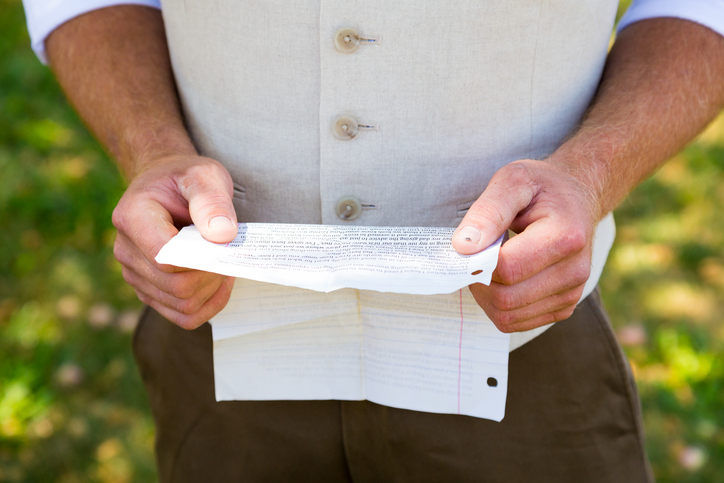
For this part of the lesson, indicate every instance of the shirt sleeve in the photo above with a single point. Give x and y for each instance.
(44, 16)
(709, 13)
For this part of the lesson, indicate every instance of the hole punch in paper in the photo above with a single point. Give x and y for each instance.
(352, 313)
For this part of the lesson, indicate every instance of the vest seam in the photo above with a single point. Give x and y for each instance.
(532, 76)
(319, 115)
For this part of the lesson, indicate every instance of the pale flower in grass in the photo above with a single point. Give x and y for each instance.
(68, 307)
(69, 375)
(692, 458)
(128, 320)
(100, 315)
(632, 335)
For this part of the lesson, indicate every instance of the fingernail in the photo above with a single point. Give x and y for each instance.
(220, 222)
(470, 234)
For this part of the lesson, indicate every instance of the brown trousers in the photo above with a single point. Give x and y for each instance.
(572, 415)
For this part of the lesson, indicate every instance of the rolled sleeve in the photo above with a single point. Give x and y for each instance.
(709, 13)
(44, 16)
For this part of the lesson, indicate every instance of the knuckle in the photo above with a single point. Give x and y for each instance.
(504, 299)
(205, 171)
(563, 314)
(196, 173)
(505, 329)
(127, 275)
(181, 289)
(477, 289)
(219, 306)
(179, 319)
(143, 297)
(510, 271)
(187, 322)
(503, 319)
(573, 241)
(118, 217)
(119, 253)
(218, 169)
(189, 306)
(570, 298)
(516, 173)
(210, 177)
(581, 272)
(545, 319)
(183, 322)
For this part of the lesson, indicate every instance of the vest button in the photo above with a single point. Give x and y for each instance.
(345, 128)
(348, 208)
(346, 40)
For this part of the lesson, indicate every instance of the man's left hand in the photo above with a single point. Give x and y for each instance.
(542, 271)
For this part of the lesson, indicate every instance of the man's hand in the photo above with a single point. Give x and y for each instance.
(174, 192)
(661, 86)
(113, 64)
(541, 272)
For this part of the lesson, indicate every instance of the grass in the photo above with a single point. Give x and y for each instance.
(72, 407)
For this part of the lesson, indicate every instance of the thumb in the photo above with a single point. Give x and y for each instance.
(510, 191)
(209, 196)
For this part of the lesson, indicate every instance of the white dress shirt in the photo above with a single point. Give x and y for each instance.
(709, 13)
(44, 16)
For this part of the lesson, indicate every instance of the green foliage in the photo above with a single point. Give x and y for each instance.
(665, 282)
(72, 407)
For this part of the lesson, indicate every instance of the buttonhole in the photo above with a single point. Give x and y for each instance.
(239, 192)
(370, 40)
(477, 272)
(366, 127)
(492, 382)
(369, 206)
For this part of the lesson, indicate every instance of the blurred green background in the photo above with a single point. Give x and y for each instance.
(72, 408)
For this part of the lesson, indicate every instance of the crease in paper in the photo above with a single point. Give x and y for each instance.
(433, 353)
(417, 341)
(415, 260)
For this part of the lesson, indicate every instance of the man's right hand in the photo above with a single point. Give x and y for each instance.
(114, 66)
(175, 191)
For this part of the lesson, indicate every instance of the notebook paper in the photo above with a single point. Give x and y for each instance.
(417, 340)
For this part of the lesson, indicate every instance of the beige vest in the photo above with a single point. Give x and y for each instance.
(443, 93)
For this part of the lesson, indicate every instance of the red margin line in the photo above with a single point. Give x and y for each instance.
(460, 348)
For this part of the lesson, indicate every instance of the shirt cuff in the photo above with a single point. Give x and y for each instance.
(709, 13)
(44, 16)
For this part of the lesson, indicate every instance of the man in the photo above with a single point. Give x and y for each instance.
(459, 98)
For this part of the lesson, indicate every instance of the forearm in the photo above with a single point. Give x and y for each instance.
(113, 65)
(661, 86)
